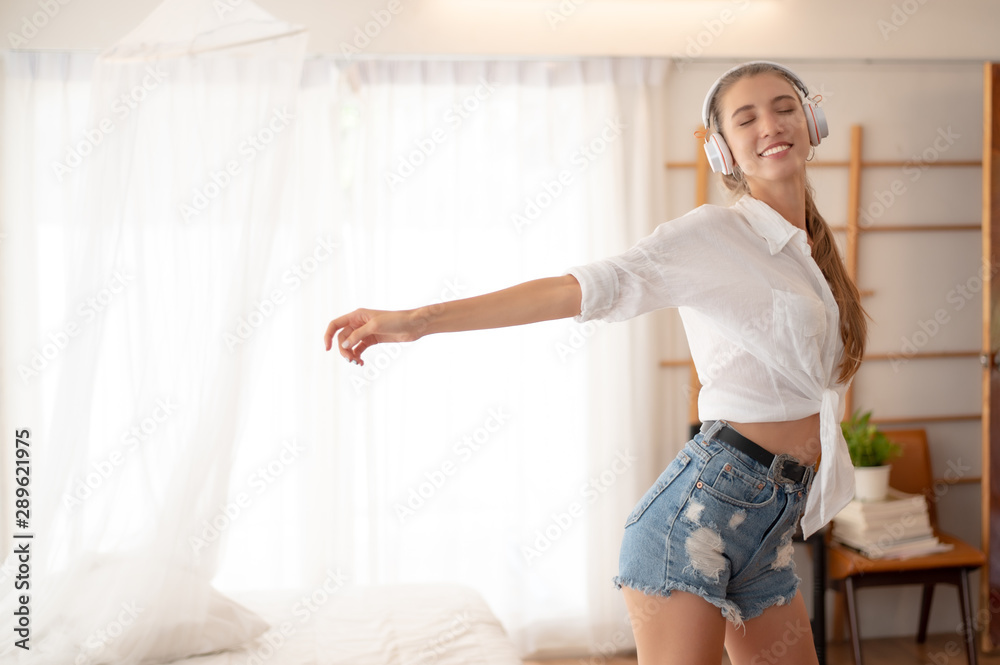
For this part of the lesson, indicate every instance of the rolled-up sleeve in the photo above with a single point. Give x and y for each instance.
(599, 285)
(656, 273)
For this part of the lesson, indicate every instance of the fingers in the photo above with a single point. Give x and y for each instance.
(351, 333)
(360, 349)
(354, 333)
(331, 329)
(352, 352)
(346, 344)
(341, 324)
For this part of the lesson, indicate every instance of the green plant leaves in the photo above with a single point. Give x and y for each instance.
(866, 443)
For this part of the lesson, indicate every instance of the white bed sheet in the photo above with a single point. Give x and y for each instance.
(377, 625)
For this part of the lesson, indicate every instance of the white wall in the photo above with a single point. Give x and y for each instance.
(924, 79)
(813, 29)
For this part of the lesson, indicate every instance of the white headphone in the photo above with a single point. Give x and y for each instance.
(719, 156)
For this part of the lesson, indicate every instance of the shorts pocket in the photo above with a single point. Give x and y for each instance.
(737, 486)
(668, 476)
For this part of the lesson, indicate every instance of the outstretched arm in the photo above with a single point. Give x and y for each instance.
(530, 302)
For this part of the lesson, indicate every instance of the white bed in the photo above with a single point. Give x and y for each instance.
(101, 613)
(380, 625)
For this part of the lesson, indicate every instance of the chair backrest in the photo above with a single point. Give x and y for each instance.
(911, 471)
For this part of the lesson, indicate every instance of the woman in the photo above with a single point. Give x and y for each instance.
(776, 331)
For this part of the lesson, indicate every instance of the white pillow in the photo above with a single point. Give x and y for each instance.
(225, 625)
(128, 609)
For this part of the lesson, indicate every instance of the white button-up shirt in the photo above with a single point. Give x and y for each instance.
(761, 322)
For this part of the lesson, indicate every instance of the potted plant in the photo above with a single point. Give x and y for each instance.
(870, 451)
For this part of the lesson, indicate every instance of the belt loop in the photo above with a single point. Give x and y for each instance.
(810, 474)
(711, 427)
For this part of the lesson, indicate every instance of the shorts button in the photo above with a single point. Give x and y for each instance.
(760, 486)
(729, 467)
(698, 484)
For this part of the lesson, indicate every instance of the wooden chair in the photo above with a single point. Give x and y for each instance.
(848, 570)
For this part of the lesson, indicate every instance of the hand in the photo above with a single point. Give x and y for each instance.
(364, 328)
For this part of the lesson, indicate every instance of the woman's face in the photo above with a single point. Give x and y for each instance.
(765, 127)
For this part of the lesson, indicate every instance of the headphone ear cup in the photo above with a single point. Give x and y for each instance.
(719, 156)
(816, 120)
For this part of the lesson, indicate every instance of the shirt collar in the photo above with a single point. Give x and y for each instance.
(767, 223)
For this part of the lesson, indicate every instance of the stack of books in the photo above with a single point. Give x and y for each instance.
(895, 528)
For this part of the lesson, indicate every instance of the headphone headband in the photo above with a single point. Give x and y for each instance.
(715, 86)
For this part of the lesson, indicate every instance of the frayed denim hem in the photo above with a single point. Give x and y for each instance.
(768, 604)
(730, 611)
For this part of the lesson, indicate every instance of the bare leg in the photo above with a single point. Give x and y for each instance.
(679, 629)
(780, 636)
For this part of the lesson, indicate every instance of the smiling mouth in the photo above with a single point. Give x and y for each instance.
(775, 150)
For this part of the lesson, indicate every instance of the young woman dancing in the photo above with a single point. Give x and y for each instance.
(776, 331)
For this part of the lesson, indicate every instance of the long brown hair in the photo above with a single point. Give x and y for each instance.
(853, 323)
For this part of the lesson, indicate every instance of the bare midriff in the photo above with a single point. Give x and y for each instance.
(798, 438)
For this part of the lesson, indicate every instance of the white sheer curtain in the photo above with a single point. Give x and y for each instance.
(505, 460)
(472, 177)
(171, 172)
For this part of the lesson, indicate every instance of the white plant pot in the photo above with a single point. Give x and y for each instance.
(871, 483)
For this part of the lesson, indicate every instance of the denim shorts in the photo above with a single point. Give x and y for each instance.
(718, 524)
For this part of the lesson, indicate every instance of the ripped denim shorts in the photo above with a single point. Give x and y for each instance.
(719, 524)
